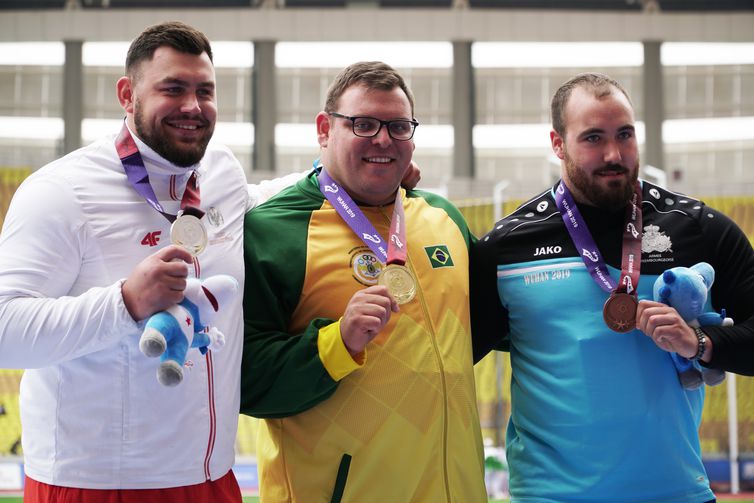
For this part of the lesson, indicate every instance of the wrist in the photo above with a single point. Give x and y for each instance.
(701, 348)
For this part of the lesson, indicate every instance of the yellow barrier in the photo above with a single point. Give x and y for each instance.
(10, 179)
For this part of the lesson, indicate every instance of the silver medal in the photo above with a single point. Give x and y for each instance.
(189, 232)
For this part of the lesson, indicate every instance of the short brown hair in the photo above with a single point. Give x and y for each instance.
(179, 36)
(601, 85)
(372, 75)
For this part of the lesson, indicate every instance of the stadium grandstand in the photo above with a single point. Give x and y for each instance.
(483, 73)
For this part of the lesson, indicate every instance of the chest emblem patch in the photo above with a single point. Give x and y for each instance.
(365, 266)
(439, 256)
(653, 240)
(215, 217)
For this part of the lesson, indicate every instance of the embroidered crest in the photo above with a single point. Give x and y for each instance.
(215, 217)
(653, 240)
(365, 266)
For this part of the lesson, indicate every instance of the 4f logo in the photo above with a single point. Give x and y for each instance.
(151, 238)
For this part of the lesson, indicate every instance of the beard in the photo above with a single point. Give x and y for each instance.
(180, 154)
(618, 192)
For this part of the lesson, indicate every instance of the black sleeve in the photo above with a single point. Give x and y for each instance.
(732, 256)
(489, 319)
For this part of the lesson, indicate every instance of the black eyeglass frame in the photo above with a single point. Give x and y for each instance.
(414, 123)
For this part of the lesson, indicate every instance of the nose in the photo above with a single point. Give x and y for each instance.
(190, 104)
(612, 153)
(382, 138)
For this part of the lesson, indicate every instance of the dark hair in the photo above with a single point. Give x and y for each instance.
(372, 75)
(179, 36)
(601, 85)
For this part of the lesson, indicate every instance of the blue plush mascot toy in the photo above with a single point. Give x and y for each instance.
(686, 289)
(170, 333)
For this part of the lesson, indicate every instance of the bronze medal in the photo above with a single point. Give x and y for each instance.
(619, 312)
(189, 232)
(399, 282)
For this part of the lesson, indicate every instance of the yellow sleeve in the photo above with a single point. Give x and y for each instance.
(334, 355)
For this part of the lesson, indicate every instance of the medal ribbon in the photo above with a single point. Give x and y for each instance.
(590, 254)
(137, 175)
(352, 215)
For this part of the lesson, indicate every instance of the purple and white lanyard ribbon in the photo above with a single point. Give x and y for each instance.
(137, 175)
(352, 215)
(590, 254)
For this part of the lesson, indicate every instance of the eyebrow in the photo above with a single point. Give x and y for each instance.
(185, 83)
(596, 130)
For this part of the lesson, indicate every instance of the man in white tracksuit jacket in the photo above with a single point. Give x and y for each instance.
(85, 258)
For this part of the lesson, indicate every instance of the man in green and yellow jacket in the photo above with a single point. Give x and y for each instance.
(357, 349)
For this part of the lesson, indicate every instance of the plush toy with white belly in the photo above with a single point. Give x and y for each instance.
(170, 333)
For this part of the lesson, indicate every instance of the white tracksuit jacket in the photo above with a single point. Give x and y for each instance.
(92, 411)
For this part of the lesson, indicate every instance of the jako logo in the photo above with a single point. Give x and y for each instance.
(547, 250)
(151, 238)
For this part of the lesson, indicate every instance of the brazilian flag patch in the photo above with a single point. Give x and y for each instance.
(439, 256)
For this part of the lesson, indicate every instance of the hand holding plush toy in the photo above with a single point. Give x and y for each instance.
(170, 333)
(685, 289)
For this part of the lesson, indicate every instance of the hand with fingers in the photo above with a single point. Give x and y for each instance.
(157, 282)
(666, 328)
(366, 315)
(412, 176)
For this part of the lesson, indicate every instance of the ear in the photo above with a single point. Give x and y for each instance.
(706, 271)
(556, 141)
(323, 128)
(124, 91)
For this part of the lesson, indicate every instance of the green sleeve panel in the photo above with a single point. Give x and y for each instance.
(449, 208)
(281, 372)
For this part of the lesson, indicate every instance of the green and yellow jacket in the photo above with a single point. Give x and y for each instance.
(397, 424)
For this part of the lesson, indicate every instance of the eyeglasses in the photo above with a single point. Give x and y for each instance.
(369, 127)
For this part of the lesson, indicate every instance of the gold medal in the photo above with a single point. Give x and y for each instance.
(619, 312)
(189, 232)
(399, 282)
